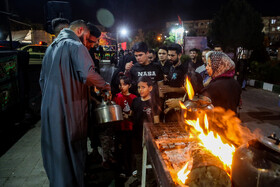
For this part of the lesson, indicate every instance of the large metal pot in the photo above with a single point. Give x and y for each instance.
(108, 111)
(257, 164)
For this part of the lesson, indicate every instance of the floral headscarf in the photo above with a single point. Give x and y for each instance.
(221, 64)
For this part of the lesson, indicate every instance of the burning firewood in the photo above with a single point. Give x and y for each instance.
(207, 169)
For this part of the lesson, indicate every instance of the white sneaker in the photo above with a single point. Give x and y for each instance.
(149, 166)
(134, 173)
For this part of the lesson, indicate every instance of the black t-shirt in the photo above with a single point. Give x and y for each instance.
(176, 78)
(151, 70)
(165, 69)
(143, 111)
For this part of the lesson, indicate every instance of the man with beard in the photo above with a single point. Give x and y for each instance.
(67, 71)
(163, 60)
(92, 42)
(173, 87)
(93, 130)
(194, 62)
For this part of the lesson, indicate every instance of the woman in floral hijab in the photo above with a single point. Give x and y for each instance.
(219, 65)
(223, 90)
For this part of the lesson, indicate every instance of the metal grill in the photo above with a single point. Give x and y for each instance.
(160, 137)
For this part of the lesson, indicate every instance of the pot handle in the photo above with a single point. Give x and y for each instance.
(107, 97)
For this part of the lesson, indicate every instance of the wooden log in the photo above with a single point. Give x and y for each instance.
(207, 169)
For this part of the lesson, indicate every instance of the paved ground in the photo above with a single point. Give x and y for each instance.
(261, 109)
(22, 165)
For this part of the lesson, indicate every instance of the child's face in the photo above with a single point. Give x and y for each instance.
(124, 87)
(144, 90)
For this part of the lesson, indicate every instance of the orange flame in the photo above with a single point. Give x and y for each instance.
(184, 172)
(182, 105)
(189, 88)
(214, 144)
(211, 142)
(220, 138)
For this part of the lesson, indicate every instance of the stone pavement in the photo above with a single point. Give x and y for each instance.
(261, 110)
(21, 165)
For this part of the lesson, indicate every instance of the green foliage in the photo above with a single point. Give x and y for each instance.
(260, 55)
(170, 39)
(237, 24)
(267, 72)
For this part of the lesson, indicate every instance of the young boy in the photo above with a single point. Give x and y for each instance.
(143, 110)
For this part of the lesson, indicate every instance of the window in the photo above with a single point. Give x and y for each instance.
(273, 21)
(273, 29)
(278, 28)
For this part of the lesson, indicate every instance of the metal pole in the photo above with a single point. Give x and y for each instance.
(9, 25)
(144, 160)
(117, 48)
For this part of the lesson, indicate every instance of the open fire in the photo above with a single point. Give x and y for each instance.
(211, 148)
(212, 143)
(208, 139)
(198, 151)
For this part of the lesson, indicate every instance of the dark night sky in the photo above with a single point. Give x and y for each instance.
(146, 14)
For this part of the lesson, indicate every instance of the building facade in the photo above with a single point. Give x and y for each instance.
(200, 27)
(272, 28)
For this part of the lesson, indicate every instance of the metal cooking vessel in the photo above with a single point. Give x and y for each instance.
(108, 111)
(257, 164)
(194, 106)
(271, 142)
(199, 102)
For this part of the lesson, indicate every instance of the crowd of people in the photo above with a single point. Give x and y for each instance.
(148, 86)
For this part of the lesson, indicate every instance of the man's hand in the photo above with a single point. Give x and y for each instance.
(171, 104)
(107, 95)
(166, 89)
(129, 65)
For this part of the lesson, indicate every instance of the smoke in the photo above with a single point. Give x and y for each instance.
(227, 125)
